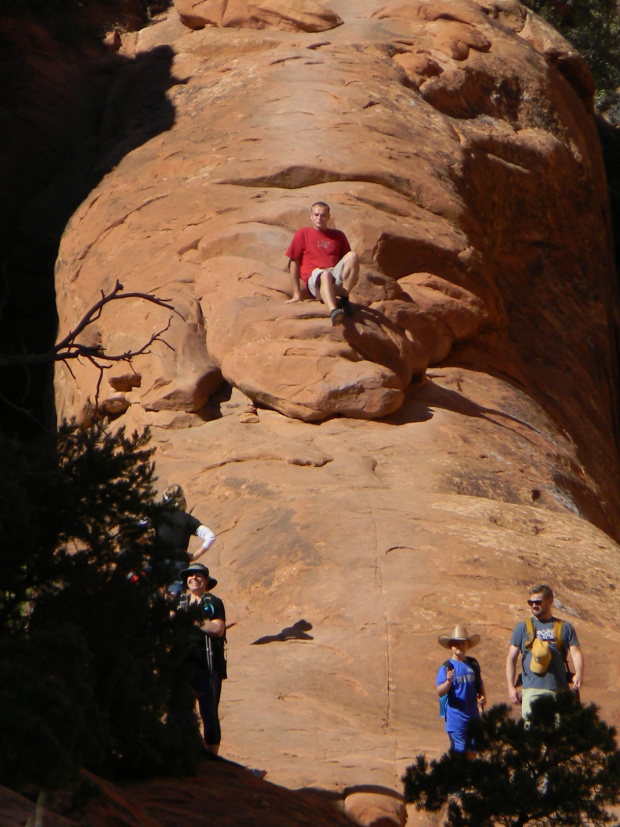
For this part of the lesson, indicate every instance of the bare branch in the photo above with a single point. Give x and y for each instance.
(93, 354)
(67, 348)
(98, 388)
(93, 313)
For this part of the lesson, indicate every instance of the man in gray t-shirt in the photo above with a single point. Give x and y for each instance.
(539, 680)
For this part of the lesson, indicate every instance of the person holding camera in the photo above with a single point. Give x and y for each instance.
(206, 647)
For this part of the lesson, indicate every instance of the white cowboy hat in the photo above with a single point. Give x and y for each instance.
(459, 633)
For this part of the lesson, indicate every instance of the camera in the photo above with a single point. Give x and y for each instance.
(209, 609)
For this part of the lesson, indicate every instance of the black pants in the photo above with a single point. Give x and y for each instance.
(208, 688)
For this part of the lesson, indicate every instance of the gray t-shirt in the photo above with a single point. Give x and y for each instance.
(555, 676)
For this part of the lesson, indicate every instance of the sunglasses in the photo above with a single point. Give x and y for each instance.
(534, 602)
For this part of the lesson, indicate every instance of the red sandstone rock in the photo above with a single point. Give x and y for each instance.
(291, 15)
(460, 157)
(378, 810)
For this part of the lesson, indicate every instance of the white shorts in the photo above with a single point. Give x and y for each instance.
(313, 281)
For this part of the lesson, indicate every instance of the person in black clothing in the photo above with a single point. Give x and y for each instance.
(176, 527)
(206, 648)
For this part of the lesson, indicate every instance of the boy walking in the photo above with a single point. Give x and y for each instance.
(460, 681)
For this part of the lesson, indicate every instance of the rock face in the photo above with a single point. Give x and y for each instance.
(290, 15)
(447, 166)
(454, 441)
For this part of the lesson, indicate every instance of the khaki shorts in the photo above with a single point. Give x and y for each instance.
(528, 696)
(313, 281)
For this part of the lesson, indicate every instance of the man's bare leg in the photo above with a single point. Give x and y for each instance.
(327, 290)
(327, 294)
(350, 273)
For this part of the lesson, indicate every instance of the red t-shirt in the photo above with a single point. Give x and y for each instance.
(313, 248)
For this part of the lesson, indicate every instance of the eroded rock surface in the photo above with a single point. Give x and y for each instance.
(290, 15)
(447, 180)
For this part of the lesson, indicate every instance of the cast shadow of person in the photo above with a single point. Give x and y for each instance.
(298, 631)
(423, 395)
(422, 401)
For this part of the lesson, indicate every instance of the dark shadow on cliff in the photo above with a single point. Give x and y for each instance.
(571, 488)
(74, 115)
(422, 399)
(298, 631)
(558, 291)
(609, 136)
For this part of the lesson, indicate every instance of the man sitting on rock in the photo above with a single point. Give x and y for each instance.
(322, 260)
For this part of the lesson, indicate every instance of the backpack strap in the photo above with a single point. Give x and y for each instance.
(557, 634)
(478, 676)
(527, 644)
(443, 698)
(529, 633)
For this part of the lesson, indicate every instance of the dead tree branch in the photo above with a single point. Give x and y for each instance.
(68, 348)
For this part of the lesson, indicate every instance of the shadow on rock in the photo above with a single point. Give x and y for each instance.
(421, 400)
(295, 632)
(70, 125)
(379, 340)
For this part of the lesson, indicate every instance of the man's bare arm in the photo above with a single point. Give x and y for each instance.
(295, 274)
(511, 668)
(577, 656)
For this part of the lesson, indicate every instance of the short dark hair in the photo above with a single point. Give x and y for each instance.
(320, 204)
(544, 590)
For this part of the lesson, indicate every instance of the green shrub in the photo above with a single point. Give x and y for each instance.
(593, 29)
(560, 768)
(92, 664)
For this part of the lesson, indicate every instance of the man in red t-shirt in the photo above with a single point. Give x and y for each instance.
(322, 260)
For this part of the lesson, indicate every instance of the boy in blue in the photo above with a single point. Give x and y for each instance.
(460, 680)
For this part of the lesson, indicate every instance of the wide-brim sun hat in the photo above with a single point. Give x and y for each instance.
(198, 568)
(459, 633)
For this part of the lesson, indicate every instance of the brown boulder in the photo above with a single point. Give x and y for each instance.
(358, 369)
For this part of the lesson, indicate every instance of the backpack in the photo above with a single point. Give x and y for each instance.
(542, 648)
(530, 637)
(443, 700)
